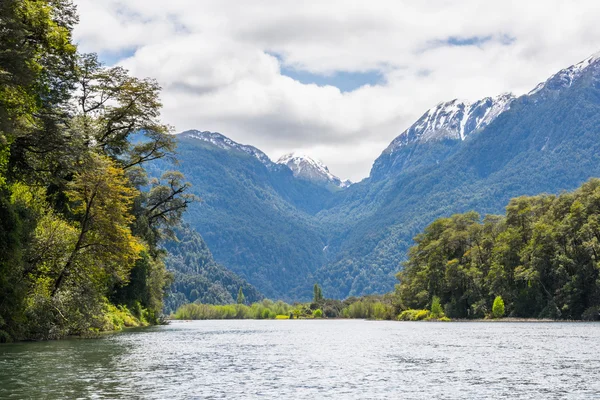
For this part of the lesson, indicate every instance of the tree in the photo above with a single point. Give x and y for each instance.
(241, 299)
(102, 198)
(436, 308)
(498, 307)
(318, 313)
(317, 293)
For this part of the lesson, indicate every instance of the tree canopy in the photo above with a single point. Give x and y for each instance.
(541, 258)
(80, 222)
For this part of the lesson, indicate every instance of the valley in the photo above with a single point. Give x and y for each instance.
(283, 231)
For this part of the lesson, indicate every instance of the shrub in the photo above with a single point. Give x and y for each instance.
(318, 313)
(421, 315)
(498, 307)
(591, 314)
(413, 315)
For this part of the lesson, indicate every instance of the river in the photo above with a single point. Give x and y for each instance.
(313, 359)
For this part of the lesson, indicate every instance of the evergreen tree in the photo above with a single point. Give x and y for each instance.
(317, 293)
(241, 299)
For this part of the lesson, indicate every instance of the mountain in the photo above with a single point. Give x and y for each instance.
(283, 231)
(567, 77)
(546, 141)
(256, 217)
(440, 130)
(196, 275)
(304, 167)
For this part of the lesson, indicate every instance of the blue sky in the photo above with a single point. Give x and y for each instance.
(343, 80)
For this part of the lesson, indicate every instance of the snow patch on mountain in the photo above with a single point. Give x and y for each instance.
(225, 143)
(565, 77)
(454, 120)
(308, 168)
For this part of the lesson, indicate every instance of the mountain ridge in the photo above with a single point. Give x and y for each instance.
(306, 167)
(352, 241)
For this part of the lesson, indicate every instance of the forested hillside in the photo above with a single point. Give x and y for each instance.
(79, 220)
(196, 275)
(541, 258)
(255, 216)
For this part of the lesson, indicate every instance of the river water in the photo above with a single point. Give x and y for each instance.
(313, 359)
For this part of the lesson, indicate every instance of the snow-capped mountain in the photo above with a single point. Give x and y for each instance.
(566, 77)
(453, 120)
(225, 143)
(305, 167)
(448, 122)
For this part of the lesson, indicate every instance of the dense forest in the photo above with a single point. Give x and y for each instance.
(541, 258)
(80, 222)
(196, 275)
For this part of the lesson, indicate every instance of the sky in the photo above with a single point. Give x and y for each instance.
(338, 79)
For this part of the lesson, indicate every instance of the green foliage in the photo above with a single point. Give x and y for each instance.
(263, 310)
(414, 315)
(318, 313)
(79, 220)
(196, 275)
(241, 299)
(436, 308)
(498, 307)
(317, 293)
(541, 257)
(371, 307)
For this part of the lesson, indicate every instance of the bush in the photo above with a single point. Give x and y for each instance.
(318, 313)
(422, 314)
(414, 315)
(498, 308)
(591, 314)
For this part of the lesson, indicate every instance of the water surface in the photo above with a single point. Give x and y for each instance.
(341, 359)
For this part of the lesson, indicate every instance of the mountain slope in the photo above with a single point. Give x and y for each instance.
(438, 133)
(197, 277)
(255, 216)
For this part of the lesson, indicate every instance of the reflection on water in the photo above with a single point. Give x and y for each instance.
(340, 359)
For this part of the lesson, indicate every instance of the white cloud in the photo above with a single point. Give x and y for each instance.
(214, 60)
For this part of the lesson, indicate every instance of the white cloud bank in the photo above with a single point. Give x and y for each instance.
(216, 63)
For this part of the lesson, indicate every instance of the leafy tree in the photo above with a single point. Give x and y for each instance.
(498, 307)
(537, 261)
(80, 222)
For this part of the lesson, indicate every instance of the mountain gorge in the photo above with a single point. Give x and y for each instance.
(283, 230)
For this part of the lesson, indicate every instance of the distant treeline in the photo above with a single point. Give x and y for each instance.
(370, 307)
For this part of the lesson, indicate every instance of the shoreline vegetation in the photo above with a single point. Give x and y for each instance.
(81, 222)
